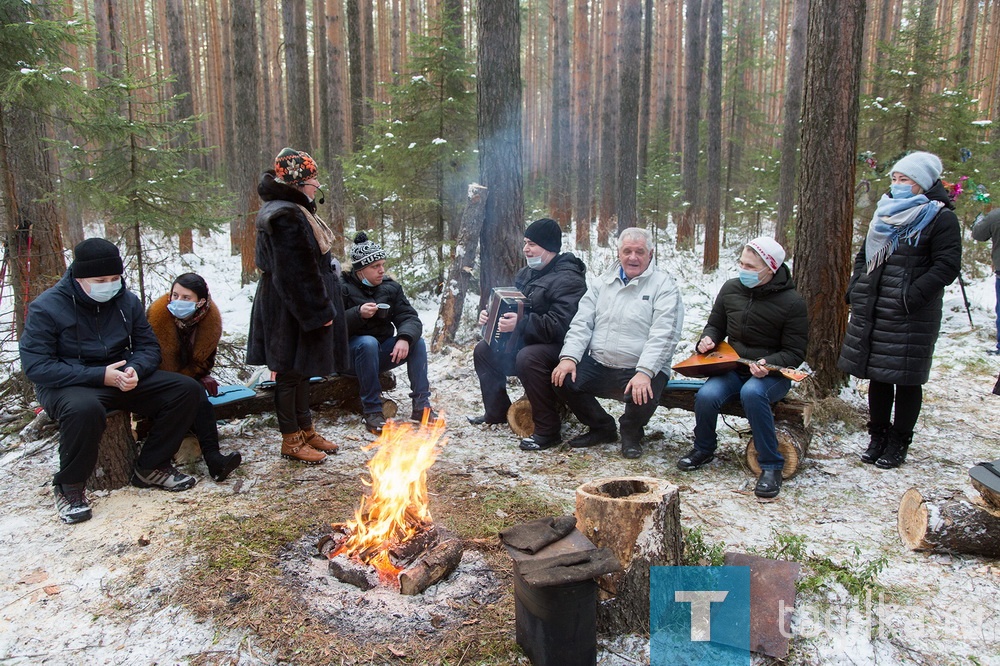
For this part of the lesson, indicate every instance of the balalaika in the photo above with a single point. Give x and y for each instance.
(502, 301)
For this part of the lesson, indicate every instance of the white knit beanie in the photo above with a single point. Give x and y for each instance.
(922, 168)
(769, 250)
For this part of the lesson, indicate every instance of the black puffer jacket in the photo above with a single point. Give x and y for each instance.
(769, 321)
(298, 291)
(896, 309)
(554, 293)
(69, 339)
(403, 322)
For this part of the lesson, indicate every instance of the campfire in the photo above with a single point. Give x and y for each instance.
(392, 540)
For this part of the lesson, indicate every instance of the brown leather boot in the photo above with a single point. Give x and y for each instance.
(318, 441)
(294, 447)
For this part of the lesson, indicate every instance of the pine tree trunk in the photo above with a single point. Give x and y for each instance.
(368, 61)
(354, 60)
(826, 186)
(248, 149)
(645, 99)
(560, 143)
(628, 112)
(791, 122)
(713, 182)
(334, 108)
(694, 58)
(582, 123)
(607, 224)
(499, 120)
(297, 72)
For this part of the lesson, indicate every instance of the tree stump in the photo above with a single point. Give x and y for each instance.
(793, 445)
(116, 454)
(945, 521)
(639, 520)
(519, 418)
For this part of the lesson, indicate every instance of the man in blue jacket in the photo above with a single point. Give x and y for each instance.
(89, 349)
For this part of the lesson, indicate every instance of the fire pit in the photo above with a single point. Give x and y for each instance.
(392, 540)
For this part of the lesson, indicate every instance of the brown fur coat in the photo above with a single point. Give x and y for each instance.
(206, 339)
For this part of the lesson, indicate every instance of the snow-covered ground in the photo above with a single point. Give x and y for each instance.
(102, 592)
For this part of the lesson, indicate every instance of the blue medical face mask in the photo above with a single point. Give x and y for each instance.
(365, 282)
(182, 309)
(901, 191)
(102, 292)
(535, 262)
(749, 279)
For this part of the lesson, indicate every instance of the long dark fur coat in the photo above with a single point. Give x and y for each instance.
(298, 291)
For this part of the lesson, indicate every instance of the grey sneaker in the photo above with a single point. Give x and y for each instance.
(165, 476)
(71, 502)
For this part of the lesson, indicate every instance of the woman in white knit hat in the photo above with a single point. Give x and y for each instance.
(913, 250)
(764, 319)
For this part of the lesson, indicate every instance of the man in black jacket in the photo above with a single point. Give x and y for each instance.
(89, 349)
(554, 283)
(385, 332)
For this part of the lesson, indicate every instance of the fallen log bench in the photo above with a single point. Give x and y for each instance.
(117, 450)
(335, 390)
(792, 419)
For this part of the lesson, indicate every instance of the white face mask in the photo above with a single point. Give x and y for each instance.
(102, 292)
(535, 262)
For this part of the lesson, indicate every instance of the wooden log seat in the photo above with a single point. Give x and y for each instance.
(336, 390)
(791, 419)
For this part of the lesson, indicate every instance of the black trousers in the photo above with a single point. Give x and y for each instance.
(205, 428)
(907, 399)
(291, 402)
(168, 398)
(594, 380)
(533, 366)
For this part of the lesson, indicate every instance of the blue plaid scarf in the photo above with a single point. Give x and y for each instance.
(895, 219)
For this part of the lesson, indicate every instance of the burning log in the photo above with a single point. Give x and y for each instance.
(639, 519)
(351, 571)
(392, 528)
(402, 554)
(437, 564)
(945, 521)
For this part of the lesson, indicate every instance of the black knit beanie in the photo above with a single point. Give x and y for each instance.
(546, 233)
(96, 257)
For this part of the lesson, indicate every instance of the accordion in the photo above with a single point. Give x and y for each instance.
(502, 301)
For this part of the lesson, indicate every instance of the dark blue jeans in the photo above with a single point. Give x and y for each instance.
(756, 395)
(369, 357)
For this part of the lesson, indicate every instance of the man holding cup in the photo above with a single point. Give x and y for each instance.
(385, 332)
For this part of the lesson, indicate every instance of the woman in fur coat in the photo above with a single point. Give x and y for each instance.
(297, 322)
(188, 327)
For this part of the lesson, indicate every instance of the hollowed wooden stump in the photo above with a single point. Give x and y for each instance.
(639, 520)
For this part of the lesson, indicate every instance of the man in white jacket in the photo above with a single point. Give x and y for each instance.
(619, 345)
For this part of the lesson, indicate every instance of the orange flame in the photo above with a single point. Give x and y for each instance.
(396, 506)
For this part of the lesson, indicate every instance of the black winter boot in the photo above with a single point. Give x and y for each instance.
(895, 450)
(876, 447)
(221, 466)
